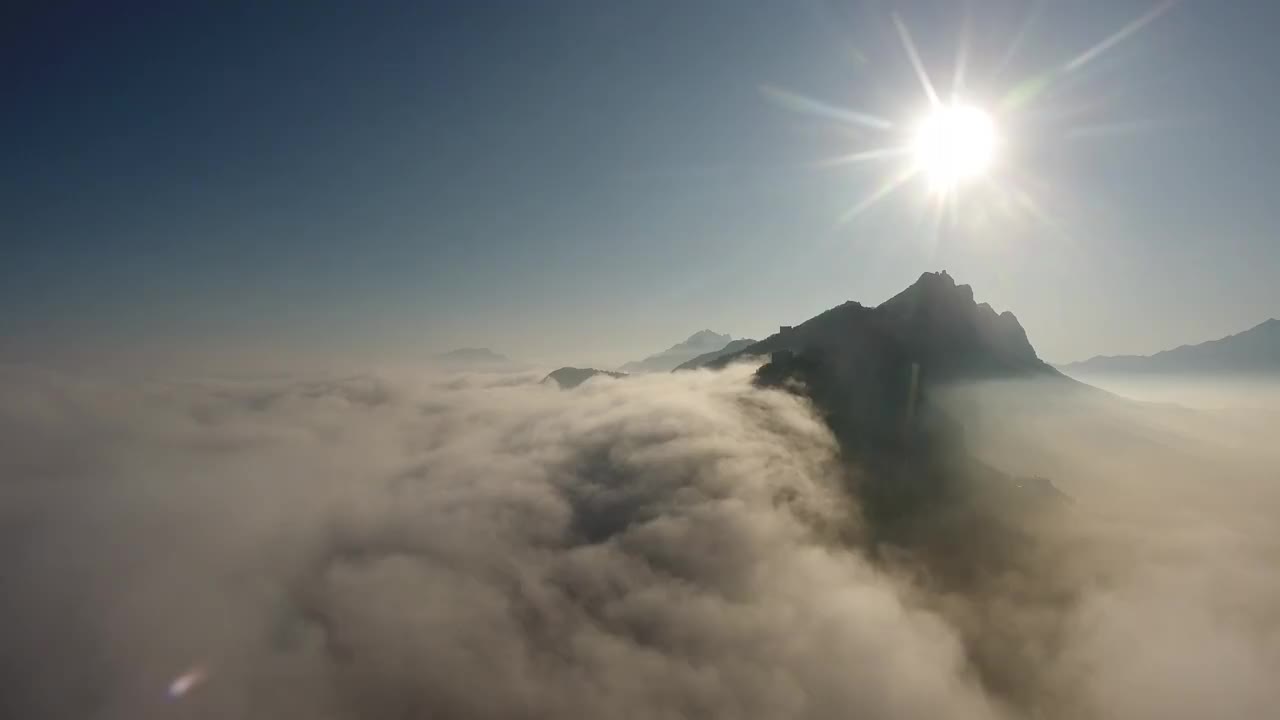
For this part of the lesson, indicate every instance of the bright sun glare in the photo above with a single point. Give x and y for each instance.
(955, 143)
(959, 143)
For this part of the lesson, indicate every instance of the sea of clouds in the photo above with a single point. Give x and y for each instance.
(673, 546)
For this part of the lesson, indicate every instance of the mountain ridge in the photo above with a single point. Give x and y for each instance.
(699, 343)
(1255, 350)
(708, 357)
(934, 322)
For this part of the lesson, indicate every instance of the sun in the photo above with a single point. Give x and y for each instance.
(960, 144)
(954, 144)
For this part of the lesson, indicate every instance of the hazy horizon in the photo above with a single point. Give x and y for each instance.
(264, 358)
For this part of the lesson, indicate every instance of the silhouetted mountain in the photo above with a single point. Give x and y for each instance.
(572, 377)
(1254, 351)
(873, 374)
(707, 358)
(934, 323)
(699, 343)
(869, 370)
(953, 337)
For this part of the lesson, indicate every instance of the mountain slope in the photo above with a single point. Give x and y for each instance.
(1256, 350)
(699, 343)
(707, 358)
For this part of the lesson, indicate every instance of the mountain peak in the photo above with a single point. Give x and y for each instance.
(708, 337)
(942, 276)
(932, 287)
(708, 358)
(940, 318)
(935, 322)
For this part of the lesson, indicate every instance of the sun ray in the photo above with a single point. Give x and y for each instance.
(1015, 45)
(800, 103)
(1024, 92)
(864, 156)
(1118, 36)
(962, 56)
(880, 193)
(1029, 89)
(916, 63)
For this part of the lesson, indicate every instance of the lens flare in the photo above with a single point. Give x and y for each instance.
(186, 682)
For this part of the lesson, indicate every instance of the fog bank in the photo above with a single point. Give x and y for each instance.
(669, 546)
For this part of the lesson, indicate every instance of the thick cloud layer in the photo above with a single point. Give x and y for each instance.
(660, 547)
(1157, 595)
(488, 547)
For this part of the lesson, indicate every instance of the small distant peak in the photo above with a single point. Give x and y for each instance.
(472, 354)
(707, 336)
(1268, 327)
(568, 378)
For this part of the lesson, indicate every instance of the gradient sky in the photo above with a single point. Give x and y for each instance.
(589, 182)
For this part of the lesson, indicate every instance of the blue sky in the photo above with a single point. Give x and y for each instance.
(593, 181)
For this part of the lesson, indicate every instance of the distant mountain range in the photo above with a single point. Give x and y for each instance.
(1254, 351)
(699, 343)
